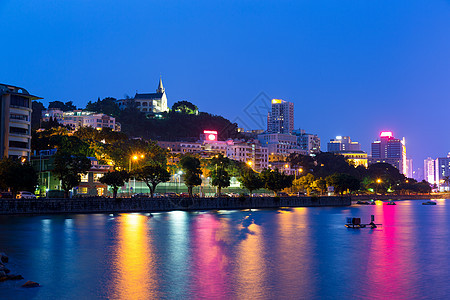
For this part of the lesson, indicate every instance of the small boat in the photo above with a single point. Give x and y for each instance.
(429, 203)
(355, 223)
(362, 202)
(373, 202)
(391, 203)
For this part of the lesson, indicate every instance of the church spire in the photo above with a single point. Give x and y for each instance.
(160, 86)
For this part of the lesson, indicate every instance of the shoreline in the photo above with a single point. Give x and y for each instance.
(400, 197)
(124, 205)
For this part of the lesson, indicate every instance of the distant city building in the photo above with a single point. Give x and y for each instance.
(15, 121)
(281, 117)
(307, 141)
(409, 168)
(79, 118)
(280, 145)
(149, 103)
(389, 150)
(343, 143)
(442, 174)
(429, 170)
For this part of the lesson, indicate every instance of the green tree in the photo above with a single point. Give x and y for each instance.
(185, 107)
(251, 181)
(320, 185)
(68, 169)
(276, 181)
(343, 183)
(17, 176)
(220, 179)
(305, 183)
(115, 179)
(152, 176)
(192, 171)
(106, 106)
(36, 114)
(68, 106)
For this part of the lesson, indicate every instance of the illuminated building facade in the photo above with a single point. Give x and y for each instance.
(343, 143)
(280, 145)
(15, 122)
(437, 172)
(281, 117)
(389, 150)
(79, 118)
(148, 103)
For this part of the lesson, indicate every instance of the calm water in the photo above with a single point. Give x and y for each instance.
(301, 253)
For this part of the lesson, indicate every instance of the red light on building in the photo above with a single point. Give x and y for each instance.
(211, 135)
(387, 134)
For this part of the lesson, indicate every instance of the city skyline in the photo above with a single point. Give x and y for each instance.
(351, 69)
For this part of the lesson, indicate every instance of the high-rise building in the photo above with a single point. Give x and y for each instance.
(281, 118)
(442, 175)
(15, 121)
(307, 141)
(343, 143)
(148, 103)
(389, 150)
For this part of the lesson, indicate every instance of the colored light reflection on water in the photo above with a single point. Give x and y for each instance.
(299, 253)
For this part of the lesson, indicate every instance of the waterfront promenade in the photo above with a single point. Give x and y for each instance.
(109, 205)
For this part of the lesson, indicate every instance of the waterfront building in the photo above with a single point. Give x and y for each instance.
(208, 146)
(343, 143)
(251, 152)
(148, 103)
(281, 117)
(79, 118)
(307, 141)
(15, 121)
(43, 164)
(389, 150)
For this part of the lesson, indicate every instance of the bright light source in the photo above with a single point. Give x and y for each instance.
(339, 137)
(386, 134)
(135, 157)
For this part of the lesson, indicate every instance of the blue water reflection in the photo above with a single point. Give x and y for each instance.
(253, 254)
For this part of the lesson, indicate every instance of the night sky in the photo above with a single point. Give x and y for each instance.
(351, 67)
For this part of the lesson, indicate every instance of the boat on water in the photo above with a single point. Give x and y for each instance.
(355, 223)
(429, 203)
(391, 203)
(362, 202)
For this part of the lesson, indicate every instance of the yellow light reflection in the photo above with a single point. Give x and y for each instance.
(133, 260)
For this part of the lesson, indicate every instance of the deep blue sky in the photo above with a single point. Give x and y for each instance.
(351, 67)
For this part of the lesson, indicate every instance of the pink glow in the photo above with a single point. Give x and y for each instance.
(386, 134)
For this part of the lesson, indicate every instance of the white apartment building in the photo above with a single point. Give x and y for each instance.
(15, 121)
(79, 118)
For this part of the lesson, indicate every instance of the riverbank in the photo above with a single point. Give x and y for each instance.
(108, 205)
(401, 197)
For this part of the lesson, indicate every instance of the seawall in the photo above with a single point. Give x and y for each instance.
(108, 205)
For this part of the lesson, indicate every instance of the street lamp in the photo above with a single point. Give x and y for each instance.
(135, 157)
(378, 184)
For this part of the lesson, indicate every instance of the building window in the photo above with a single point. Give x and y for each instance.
(18, 117)
(19, 101)
(18, 130)
(85, 177)
(16, 144)
(144, 103)
(97, 177)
